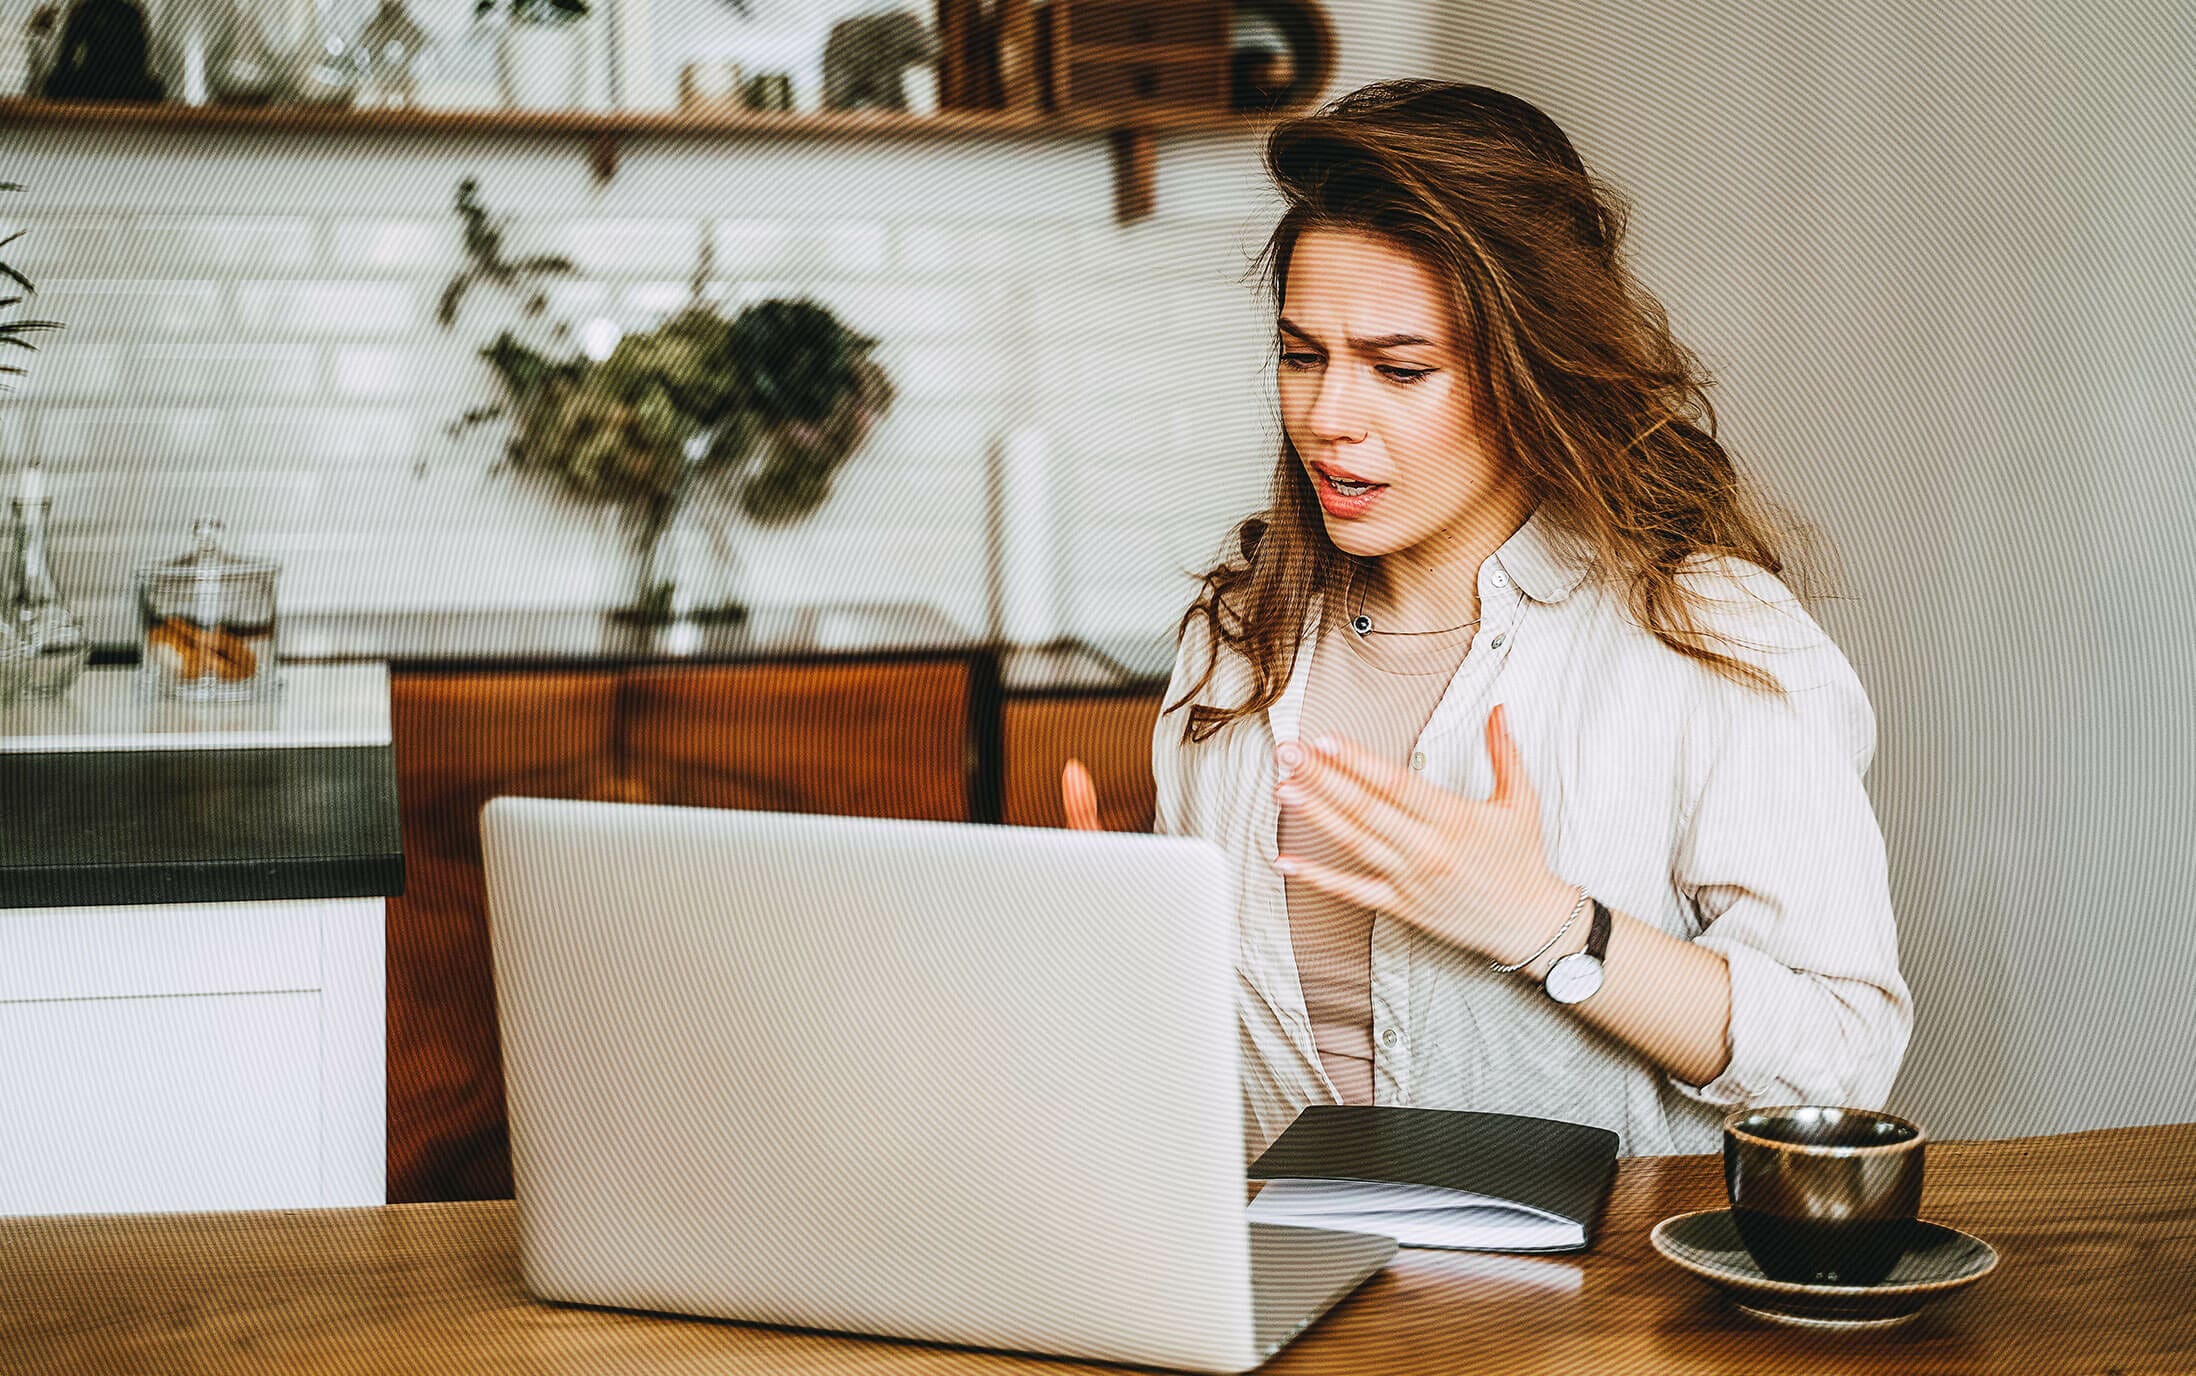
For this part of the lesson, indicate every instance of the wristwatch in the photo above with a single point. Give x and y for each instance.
(1577, 977)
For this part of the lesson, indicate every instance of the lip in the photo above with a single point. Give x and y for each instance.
(1342, 475)
(1340, 507)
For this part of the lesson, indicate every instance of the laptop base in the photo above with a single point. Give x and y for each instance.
(1298, 1274)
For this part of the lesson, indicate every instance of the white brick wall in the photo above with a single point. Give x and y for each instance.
(251, 332)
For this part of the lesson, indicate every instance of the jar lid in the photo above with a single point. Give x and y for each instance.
(209, 559)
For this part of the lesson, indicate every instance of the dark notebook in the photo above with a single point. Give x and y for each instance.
(1429, 1177)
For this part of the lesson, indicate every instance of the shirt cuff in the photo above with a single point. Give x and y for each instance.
(1761, 1040)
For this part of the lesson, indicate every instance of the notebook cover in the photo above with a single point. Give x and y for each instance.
(1563, 1168)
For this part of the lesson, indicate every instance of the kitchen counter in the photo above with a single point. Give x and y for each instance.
(197, 826)
(525, 637)
(192, 930)
(108, 796)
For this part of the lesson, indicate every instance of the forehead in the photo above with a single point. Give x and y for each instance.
(1365, 285)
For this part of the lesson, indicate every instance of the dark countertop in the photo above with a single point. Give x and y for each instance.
(562, 637)
(85, 828)
(109, 826)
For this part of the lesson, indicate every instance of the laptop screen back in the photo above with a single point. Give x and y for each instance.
(949, 1082)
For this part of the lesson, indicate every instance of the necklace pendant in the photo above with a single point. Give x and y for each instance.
(1362, 625)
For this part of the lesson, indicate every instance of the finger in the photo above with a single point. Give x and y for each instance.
(1352, 797)
(1079, 796)
(1403, 789)
(1511, 783)
(1358, 839)
(1365, 890)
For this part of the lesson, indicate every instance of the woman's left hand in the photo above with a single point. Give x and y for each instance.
(1473, 872)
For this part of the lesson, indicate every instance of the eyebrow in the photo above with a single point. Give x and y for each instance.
(1379, 342)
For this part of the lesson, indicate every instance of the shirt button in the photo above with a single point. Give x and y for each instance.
(1418, 759)
(1500, 579)
(1387, 1038)
(1495, 644)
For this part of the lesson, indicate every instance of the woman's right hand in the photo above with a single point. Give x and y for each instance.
(1079, 796)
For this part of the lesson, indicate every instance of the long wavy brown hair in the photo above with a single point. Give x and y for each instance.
(1601, 411)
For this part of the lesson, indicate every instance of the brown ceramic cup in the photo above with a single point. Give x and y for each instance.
(1823, 1195)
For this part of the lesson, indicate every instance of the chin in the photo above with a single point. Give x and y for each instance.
(1363, 541)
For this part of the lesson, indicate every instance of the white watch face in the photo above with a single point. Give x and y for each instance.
(1574, 977)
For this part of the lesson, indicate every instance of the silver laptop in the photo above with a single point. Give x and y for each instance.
(956, 1083)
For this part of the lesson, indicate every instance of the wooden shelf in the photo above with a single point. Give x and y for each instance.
(1132, 132)
(21, 110)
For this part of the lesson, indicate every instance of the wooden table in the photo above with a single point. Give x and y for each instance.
(2096, 1230)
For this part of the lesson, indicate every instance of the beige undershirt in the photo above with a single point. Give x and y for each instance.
(1378, 690)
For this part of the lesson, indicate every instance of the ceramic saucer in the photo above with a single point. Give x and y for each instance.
(1941, 1261)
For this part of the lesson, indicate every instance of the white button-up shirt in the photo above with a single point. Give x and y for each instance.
(1700, 805)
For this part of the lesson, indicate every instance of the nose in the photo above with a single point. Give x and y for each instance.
(1337, 411)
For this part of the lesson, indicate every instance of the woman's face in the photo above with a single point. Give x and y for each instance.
(1376, 388)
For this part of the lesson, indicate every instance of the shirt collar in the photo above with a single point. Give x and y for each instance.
(1547, 561)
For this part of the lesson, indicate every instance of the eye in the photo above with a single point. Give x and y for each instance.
(1299, 360)
(1406, 376)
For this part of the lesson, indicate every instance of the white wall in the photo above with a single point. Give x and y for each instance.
(1940, 257)
(251, 333)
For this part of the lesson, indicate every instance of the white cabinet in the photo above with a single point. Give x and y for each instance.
(165, 1103)
(192, 1056)
(198, 1054)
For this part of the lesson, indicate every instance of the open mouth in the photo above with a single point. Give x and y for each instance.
(1347, 488)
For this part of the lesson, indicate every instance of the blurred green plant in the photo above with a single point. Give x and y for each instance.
(768, 404)
(484, 246)
(13, 332)
(535, 11)
(554, 11)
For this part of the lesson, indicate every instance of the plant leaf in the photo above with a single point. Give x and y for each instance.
(446, 310)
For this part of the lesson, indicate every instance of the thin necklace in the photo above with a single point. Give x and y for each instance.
(1363, 625)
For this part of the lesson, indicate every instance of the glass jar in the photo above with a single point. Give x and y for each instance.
(391, 43)
(247, 69)
(327, 70)
(291, 31)
(46, 646)
(14, 664)
(461, 69)
(207, 621)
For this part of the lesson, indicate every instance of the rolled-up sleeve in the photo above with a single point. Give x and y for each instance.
(1783, 861)
(1167, 763)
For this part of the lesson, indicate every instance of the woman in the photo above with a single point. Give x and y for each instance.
(1506, 674)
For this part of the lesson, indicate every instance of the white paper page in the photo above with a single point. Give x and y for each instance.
(1359, 1196)
(1490, 1228)
(1484, 1229)
(1457, 1220)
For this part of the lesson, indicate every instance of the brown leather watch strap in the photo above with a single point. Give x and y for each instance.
(1597, 936)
